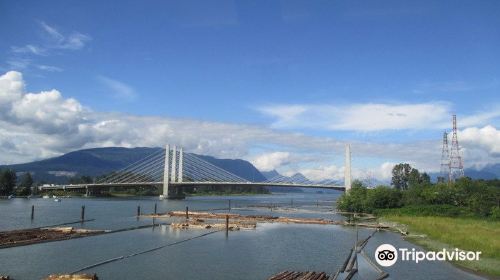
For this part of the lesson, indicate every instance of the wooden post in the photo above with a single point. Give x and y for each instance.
(155, 208)
(227, 224)
(229, 205)
(138, 210)
(82, 214)
(187, 213)
(32, 212)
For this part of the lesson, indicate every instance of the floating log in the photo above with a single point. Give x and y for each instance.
(37, 235)
(72, 277)
(296, 275)
(30, 236)
(201, 224)
(256, 218)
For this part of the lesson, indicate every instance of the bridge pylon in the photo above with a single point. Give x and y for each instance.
(347, 168)
(172, 173)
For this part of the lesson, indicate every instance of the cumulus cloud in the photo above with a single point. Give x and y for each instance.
(270, 161)
(369, 117)
(44, 124)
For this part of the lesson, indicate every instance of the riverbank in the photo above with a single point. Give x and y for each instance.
(471, 234)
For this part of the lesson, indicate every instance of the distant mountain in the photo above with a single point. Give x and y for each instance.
(239, 167)
(270, 174)
(479, 174)
(99, 161)
(299, 177)
(489, 172)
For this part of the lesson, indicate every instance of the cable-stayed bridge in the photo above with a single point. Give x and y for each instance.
(173, 169)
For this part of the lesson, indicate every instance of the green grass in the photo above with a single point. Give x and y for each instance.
(472, 234)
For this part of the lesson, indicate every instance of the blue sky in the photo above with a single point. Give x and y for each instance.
(329, 70)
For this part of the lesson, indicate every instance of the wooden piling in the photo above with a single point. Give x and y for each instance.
(227, 224)
(187, 213)
(229, 207)
(155, 208)
(82, 214)
(138, 210)
(32, 212)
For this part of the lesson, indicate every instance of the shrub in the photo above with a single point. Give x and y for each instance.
(495, 212)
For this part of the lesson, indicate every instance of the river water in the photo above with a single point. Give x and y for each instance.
(246, 254)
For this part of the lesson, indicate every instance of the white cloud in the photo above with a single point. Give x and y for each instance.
(370, 117)
(382, 173)
(31, 49)
(323, 172)
(11, 88)
(119, 89)
(19, 63)
(49, 68)
(72, 41)
(487, 138)
(270, 161)
(44, 124)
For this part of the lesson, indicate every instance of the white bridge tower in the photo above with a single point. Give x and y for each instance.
(172, 172)
(347, 168)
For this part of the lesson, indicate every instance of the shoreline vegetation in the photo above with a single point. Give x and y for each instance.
(464, 233)
(463, 214)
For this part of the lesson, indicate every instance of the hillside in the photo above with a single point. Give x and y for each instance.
(98, 161)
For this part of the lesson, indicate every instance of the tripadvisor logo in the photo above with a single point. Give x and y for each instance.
(387, 255)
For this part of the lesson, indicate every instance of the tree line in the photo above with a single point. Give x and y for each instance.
(413, 193)
(11, 184)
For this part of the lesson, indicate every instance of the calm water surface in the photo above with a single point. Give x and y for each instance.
(252, 254)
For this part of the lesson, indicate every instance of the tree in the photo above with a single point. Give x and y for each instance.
(8, 180)
(401, 175)
(425, 178)
(26, 184)
(413, 177)
(383, 197)
(353, 200)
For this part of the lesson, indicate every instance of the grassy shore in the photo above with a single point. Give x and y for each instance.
(471, 234)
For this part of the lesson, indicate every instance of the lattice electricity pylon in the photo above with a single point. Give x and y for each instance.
(445, 160)
(456, 161)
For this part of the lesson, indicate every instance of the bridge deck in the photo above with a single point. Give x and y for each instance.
(190, 184)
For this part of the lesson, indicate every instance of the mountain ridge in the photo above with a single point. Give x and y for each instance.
(98, 161)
